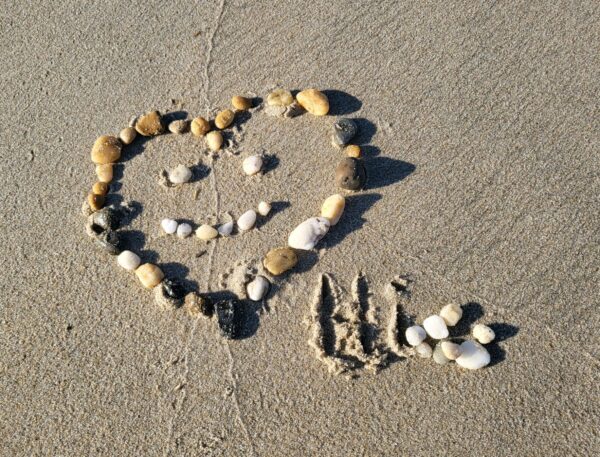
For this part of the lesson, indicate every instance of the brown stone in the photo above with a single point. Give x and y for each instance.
(95, 201)
(241, 103)
(200, 126)
(106, 149)
(224, 119)
(279, 260)
(150, 124)
(350, 174)
(100, 188)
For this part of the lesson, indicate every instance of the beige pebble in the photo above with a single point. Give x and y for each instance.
(280, 97)
(106, 149)
(424, 350)
(264, 208)
(149, 275)
(483, 334)
(214, 140)
(451, 350)
(279, 260)
(100, 188)
(95, 201)
(353, 150)
(179, 126)
(451, 314)
(241, 103)
(333, 207)
(313, 101)
(127, 135)
(150, 124)
(206, 232)
(200, 126)
(104, 172)
(224, 119)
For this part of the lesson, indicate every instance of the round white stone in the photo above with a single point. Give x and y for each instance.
(180, 174)
(435, 327)
(257, 288)
(252, 165)
(309, 233)
(424, 350)
(225, 229)
(451, 350)
(128, 260)
(169, 226)
(451, 314)
(473, 355)
(415, 335)
(247, 220)
(483, 334)
(264, 208)
(184, 230)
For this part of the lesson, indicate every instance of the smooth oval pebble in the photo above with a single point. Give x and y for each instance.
(264, 208)
(473, 355)
(247, 220)
(280, 97)
(127, 135)
(178, 126)
(279, 260)
(184, 230)
(214, 140)
(169, 226)
(180, 174)
(309, 233)
(313, 101)
(435, 327)
(351, 174)
(128, 260)
(104, 172)
(333, 207)
(353, 150)
(224, 119)
(206, 232)
(258, 288)
(100, 188)
(106, 149)
(483, 334)
(344, 130)
(415, 335)
(241, 103)
(423, 350)
(200, 126)
(451, 350)
(438, 355)
(149, 275)
(95, 201)
(252, 165)
(451, 314)
(150, 124)
(226, 228)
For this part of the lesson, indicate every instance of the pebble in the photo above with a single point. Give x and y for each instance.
(241, 103)
(473, 355)
(344, 130)
(184, 230)
(169, 294)
(200, 126)
(264, 208)
(179, 126)
(214, 140)
(451, 314)
(309, 233)
(483, 334)
(288, 111)
(451, 350)
(226, 228)
(435, 327)
(149, 275)
(224, 119)
(127, 135)
(423, 350)
(333, 207)
(180, 174)
(95, 201)
(258, 288)
(415, 335)
(350, 174)
(438, 355)
(100, 188)
(150, 124)
(106, 149)
(104, 172)
(206, 232)
(109, 241)
(313, 101)
(195, 304)
(247, 220)
(229, 317)
(280, 97)
(105, 219)
(169, 226)
(252, 165)
(128, 260)
(353, 150)
(279, 260)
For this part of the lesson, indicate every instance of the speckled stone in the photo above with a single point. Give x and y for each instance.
(109, 241)
(150, 124)
(351, 174)
(344, 130)
(229, 317)
(197, 305)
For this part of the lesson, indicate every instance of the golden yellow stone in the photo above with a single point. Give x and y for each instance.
(353, 150)
(95, 201)
(313, 101)
(224, 119)
(150, 124)
(241, 103)
(200, 126)
(106, 149)
(104, 172)
(100, 188)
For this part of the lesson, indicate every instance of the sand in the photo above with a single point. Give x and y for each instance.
(480, 123)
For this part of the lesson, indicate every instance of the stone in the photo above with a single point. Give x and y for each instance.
(350, 174)
(214, 140)
(127, 135)
(95, 201)
(169, 226)
(258, 288)
(483, 334)
(150, 124)
(344, 130)
(200, 126)
(206, 232)
(128, 260)
(332, 208)
(313, 101)
(109, 241)
(224, 119)
(178, 126)
(279, 260)
(104, 219)
(451, 350)
(169, 294)
(288, 111)
(438, 355)
(104, 172)
(353, 150)
(435, 327)
(247, 220)
(197, 305)
(149, 275)
(451, 314)
(423, 350)
(184, 230)
(229, 317)
(264, 208)
(106, 149)
(241, 103)
(473, 356)
(309, 233)
(180, 175)
(252, 165)
(280, 97)
(415, 335)
(100, 188)
(225, 229)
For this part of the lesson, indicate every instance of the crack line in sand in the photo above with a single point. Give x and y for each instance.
(211, 43)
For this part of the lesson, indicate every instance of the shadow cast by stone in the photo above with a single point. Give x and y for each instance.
(276, 208)
(503, 332)
(341, 103)
(352, 218)
(472, 312)
(366, 131)
(385, 171)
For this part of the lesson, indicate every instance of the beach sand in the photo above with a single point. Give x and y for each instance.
(480, 129)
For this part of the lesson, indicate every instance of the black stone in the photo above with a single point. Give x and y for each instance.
(343, 131)
(351, 174)
(109, 241)
(173, 288)
(207, 307)
(107, 218)
(229, 317)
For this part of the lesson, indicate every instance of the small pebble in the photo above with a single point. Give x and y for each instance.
(252, 165)
(149, 275)
(229, 314)
(351, 174)
(435, 327)
(344, 130)
(279, 260)
(226, 228)
(309, 233)
(280, 97)
(415, 335)
(332, 208)
(169, 226)
(100, 188)
(247, 220)
(106, 149)
(353, 150)
(128, 260)
(423, 350)
(483, 334)
(257, 288)
(451, 350)
(104, 172)
(214, 140)
(101, 220)
(438, 355)
(184, 230)
(180, 174)
(451, 314)
(241, 103)
(95, 201)
(206, 232)
(150, 124)
(179, 126)
(313, 101)
(109, 241)
(473, 355)
(200, 126)
(127, 135)
(169, 294)
(224, 119)
(264, 208)
(195, 304)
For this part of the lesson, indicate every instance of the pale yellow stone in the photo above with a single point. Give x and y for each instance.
(214, 140)
(451, 350)
(333, 207)
(313, 101)
(451, 314)
(127, 135)
(200, 126)
(149, 275)
(280, 97)
(104, 172)
(206, 232)
(241, 103)
(483, 334)
(106, 149)
(353, 150)
(100, 188)
(224, 119)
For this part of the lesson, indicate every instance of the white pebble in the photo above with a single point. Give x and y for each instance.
(309, 233)
(257, 288)
(128, 260)
(424, 350)
(184, 230)
(451, 350)
(247, 220)
(169, 226)
(435, 327)
(451, 314)
(415, 335)
(252, 165)
(180, 174)
(225, 229)
(473, 355)
(483, 334)
(264, 208)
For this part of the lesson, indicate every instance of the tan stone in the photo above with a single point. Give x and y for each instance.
(100, 188)
(149, 275)
(353, 150)
(104, 172)
(224, 119)
(279, 260)
(214, 140)
(200, 126)
(332, 208)
(106, 149)
(150, 124)
(95, 201)
(241, 103)
(206, 232)
(127, 135)
(313, 101)
(280, 97)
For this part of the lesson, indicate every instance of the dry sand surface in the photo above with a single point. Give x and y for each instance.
(480, 122)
